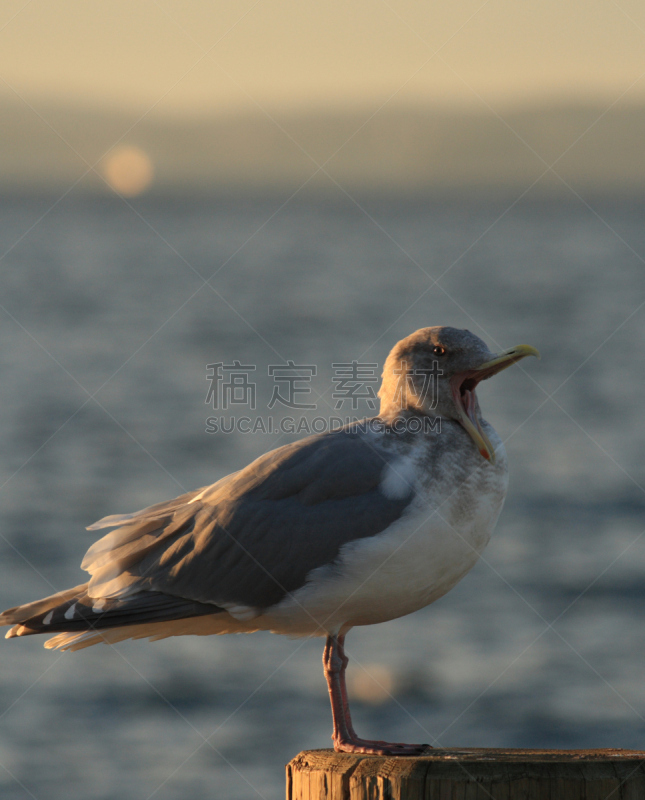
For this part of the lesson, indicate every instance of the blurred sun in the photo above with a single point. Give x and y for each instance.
(128, 170)
(372, 684)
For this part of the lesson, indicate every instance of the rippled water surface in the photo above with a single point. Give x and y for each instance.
(107, 329)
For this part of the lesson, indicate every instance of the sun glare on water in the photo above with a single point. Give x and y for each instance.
(128, 170)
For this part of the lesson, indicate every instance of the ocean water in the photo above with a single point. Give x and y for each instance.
(107, 330)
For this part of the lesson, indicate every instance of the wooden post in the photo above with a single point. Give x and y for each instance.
(469, 774)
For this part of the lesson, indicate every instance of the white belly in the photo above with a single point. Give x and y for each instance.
(409, 565)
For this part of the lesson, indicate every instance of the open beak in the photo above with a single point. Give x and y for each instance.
(463, 391)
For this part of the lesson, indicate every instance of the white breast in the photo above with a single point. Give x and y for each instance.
(409, 565)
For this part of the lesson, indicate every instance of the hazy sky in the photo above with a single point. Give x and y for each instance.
(214, 55)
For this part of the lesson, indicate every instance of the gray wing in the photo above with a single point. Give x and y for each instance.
(254, 536)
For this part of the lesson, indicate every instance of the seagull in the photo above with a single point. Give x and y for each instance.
(349, 527)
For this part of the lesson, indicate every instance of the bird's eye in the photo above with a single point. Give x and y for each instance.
(439, 351)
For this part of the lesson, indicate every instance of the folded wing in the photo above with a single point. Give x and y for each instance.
(256, 537)
(245, 542)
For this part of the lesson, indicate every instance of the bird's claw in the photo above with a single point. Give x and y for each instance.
(378, 748)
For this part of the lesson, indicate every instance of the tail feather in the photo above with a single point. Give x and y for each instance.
(75, 611)
(21, 613)
(207, 625)
(117, 595)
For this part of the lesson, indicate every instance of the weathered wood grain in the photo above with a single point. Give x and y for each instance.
(469, 774)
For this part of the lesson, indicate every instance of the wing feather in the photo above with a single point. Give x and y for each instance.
(244, 542)
(255, 536)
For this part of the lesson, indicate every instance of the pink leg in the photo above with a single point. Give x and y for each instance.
(344, 737)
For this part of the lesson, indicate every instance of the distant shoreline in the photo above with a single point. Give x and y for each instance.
(409, 150)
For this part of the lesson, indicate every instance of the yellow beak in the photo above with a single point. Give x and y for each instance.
(505, 359)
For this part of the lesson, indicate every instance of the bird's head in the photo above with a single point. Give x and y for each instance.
(435, 371)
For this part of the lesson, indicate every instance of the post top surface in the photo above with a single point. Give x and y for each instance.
(474, 772)
(491, 754)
